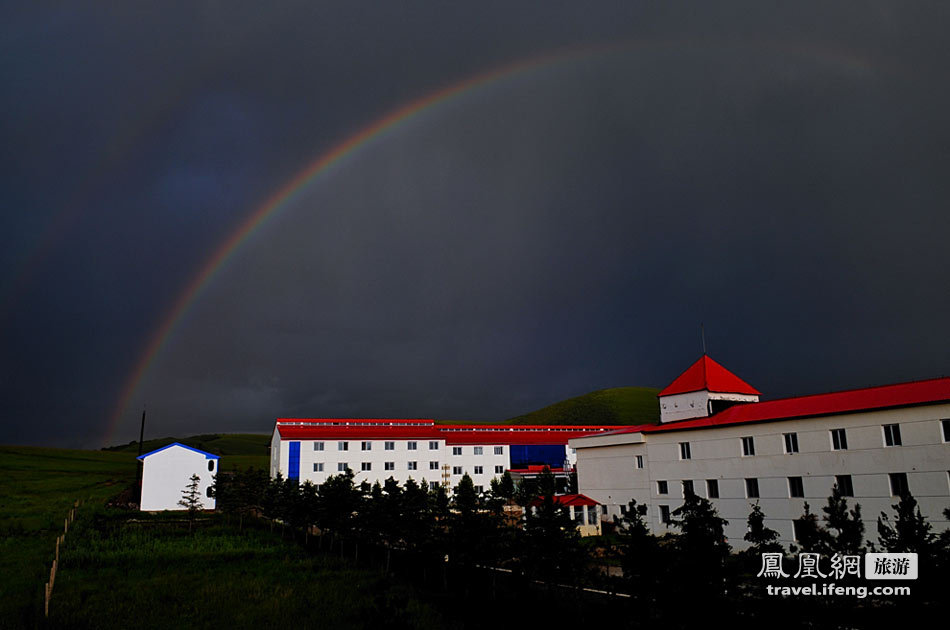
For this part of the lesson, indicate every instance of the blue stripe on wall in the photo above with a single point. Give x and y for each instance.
(294, 469)
(524, 455)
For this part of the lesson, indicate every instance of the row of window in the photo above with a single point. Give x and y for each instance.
(839, 441)
(410, 446)
(368, 466)
(796, 486)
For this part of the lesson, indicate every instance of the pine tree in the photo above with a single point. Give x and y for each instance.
(191, 499)
(763, 538)
(910, 533)
(847, 525)
(640, 556)
(811, 536)
(702, 548)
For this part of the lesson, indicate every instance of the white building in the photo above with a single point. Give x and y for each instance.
(375, 449)
(167, 471)
(717, 439)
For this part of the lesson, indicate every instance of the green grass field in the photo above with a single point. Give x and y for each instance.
(37, 488)
(151, 574)
(619, 405)
(120, 568)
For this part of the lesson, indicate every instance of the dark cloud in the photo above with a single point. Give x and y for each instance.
(776, 174)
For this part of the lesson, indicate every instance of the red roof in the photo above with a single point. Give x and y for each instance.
(711, 376)
(358, 429)
(577, 500)
(850, 401)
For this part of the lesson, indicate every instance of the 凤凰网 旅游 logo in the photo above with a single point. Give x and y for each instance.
(890, 566)
(877, 566)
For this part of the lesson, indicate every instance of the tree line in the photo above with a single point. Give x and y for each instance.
(458, 535)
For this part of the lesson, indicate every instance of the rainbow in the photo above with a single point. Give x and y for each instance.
(325, 161)
(282, 197)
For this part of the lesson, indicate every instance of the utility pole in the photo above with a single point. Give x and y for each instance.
(138, 470)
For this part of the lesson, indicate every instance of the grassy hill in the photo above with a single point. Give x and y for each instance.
(618, 405)
(238, 450)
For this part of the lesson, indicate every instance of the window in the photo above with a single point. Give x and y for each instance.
(791, 442)
(684, 450)
(342, 446)
(899, 484)
(579, 515)
(366, 466)
(433, 465)
(712, 488)
(433, 446)
(892, 435)
(456, 450)
(366, 446)
(748, 446)
(479, 489)
(839, 441)
(661, 487)
(945, 424)
(433, 485)
(687, 487)
(499, 470)
(752, 488)
(411, 446)
(389, 465)
(412, 466)
(499, 450)
(456, 470)
(209, 492)
(478, 450)
(844, 485)
(389, 446)
(318, 467)
(623, 510)
(796, 489)
(639, 461)
(665, 514)
(341, 467)
(798, 527)
(211, 465)
(479, 470)
(318, 446)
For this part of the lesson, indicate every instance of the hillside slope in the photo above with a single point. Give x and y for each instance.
(618, 405)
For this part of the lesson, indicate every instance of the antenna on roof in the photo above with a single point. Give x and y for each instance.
(702, 332)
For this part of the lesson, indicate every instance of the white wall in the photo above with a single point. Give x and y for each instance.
(695, 404)
(607, 472)
(167, 473)
(400, 456)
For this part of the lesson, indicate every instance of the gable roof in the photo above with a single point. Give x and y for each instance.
(931, 391)
(159, 450)
(709, 375)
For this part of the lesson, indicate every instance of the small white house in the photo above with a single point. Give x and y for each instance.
(167, 471)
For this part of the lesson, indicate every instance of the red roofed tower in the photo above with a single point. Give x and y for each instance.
(705, 388)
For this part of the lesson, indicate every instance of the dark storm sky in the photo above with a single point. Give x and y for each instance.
(779, 173)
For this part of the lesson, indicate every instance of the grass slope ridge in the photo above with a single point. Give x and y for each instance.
(217, 443)
(618, 405)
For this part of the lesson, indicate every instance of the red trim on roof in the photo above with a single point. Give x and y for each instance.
(849, 401)
(451, 433)
(711, 376)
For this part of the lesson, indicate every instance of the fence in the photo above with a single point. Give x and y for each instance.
(60, 541)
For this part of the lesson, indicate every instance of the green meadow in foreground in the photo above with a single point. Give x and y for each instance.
(149, 572)
(37, 488)
(120, 568)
